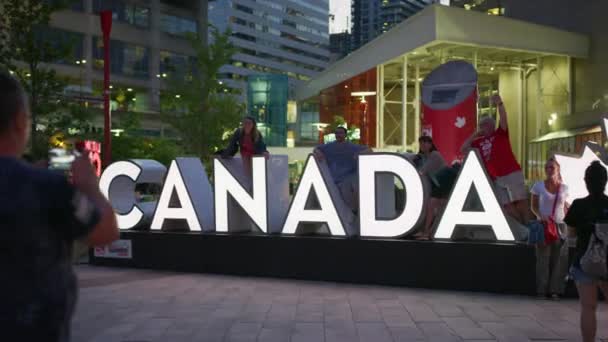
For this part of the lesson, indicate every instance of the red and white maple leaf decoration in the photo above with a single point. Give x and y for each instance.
(573, 168)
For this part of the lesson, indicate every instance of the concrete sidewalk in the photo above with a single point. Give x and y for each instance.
(137, 305)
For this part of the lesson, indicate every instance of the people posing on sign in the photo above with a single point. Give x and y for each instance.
(341, 157)
(581, 218)
(248, 141)
(41, 215)
(495, 149)
(550, 202)
(429, 162)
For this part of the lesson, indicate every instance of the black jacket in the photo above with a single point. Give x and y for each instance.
(259, 147)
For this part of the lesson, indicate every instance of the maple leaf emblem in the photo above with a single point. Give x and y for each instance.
(460, 121)
(573, 167)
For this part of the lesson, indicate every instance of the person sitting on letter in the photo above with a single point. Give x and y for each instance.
(249, 141)
(495, 148)
(341, 157)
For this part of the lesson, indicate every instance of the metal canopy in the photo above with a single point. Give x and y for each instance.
(567, 133)
(440, 33)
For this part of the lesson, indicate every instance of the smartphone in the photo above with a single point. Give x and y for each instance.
(61, 160)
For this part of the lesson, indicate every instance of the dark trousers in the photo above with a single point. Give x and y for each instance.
(551, 267)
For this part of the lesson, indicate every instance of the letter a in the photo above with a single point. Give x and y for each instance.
(473, 174)
(175, 181)
(371, 165)
(312, 179)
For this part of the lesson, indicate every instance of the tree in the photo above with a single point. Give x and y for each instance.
(26, 50)
(339, 121)
(199, 107)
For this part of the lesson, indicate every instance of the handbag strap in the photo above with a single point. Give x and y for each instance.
(559, 186)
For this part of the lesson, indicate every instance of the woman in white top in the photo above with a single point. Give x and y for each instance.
(551, 259)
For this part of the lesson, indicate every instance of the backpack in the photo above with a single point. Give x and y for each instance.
(594, 261)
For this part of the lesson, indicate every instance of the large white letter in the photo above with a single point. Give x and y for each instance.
(312, 180)
(473, 174)
(186, 177)
(369, 166)
(254, 204)
(117, 184)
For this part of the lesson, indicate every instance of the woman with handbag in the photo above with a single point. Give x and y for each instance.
(550, 204)
(581, 218)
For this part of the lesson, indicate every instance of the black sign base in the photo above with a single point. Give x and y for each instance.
(451, 265)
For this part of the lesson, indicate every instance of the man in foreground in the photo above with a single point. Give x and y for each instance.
(495, 148)
(41, 215)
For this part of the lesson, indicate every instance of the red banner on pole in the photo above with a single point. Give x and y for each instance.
(106, 29)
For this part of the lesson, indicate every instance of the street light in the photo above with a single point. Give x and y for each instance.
(363, 107)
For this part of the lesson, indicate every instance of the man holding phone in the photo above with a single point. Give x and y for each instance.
(41, 215)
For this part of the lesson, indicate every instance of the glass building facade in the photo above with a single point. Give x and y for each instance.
(289, 38)
(267, 103)
(371, 18)
(285, 37)
(122, 11)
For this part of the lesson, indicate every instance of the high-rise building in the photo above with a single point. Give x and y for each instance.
(492, 7)
(149, 42)
(339, 45)
(289, 37)
(371, 18)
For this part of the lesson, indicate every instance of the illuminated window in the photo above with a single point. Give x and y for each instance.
(496, 11)
(126, 59)
(124, 12)
(173, 62)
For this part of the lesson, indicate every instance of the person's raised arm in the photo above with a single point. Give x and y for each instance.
(233, 144)
(263, 148)
(466, 146)
(365, 149)
(318, 154)
(85, 181)
(504, 124)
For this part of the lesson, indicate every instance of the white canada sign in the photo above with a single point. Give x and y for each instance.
(238, 202)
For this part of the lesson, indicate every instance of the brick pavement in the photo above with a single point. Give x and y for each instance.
(140, 306)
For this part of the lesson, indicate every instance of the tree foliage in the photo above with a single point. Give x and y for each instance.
(198, 107)
(26, 51)
(132, 147)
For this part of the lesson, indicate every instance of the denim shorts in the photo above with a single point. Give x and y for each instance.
(579, 276)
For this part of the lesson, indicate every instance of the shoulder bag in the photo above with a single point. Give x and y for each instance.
(551, 229)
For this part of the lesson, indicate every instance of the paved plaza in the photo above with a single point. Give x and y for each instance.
(138, 305)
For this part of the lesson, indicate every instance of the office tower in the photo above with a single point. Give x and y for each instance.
(371, 18)
(289, 37)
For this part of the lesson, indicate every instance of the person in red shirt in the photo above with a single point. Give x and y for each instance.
(495, 149)
(249, 141)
